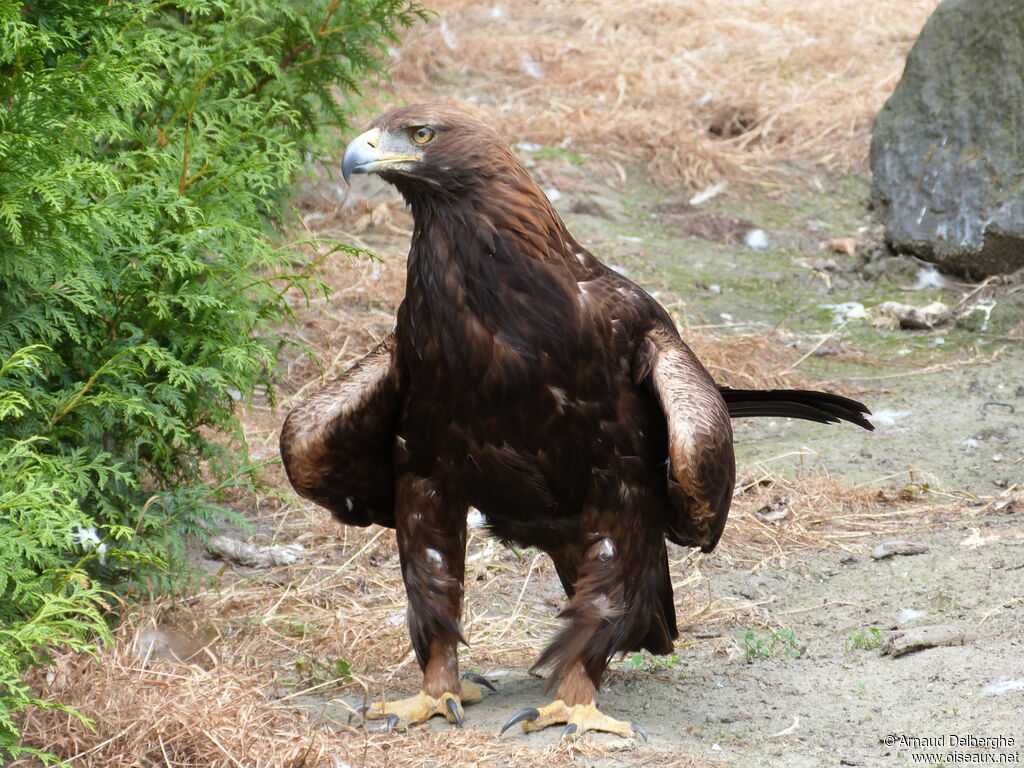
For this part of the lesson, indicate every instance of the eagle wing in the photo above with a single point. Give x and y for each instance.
(702, 469)
(338, 444)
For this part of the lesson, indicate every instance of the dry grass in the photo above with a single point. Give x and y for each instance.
(745, 360)
(775, 518)
(170, 714)
(697, 90)
(265, 688)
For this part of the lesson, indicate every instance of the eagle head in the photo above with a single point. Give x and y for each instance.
(429, 147)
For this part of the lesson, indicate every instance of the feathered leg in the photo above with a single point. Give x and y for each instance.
(621, 600)
(432, 549)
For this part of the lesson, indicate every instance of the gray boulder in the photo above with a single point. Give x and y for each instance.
(947, 150)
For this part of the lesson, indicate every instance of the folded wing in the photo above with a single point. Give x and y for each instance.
(338, 444)
(702, 469)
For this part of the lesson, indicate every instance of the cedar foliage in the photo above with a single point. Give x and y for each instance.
(146, 152)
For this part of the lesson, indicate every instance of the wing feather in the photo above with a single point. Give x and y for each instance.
(338, 444)
(702, 469)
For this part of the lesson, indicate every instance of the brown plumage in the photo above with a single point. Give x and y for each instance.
(530, 381)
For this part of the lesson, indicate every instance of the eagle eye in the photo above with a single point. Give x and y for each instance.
(423, 135)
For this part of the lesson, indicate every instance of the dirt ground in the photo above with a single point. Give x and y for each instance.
(821, 702)
(776, 278)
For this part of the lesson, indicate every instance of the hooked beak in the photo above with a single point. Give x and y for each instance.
(364, 155)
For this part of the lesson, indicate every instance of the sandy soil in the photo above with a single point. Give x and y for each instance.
(832, 704)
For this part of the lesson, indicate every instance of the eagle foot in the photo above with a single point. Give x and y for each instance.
(417, 709)
(578, 719)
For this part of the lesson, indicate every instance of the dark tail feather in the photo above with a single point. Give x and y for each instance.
(822, 407)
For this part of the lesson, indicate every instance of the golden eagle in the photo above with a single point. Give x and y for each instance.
(528, 380)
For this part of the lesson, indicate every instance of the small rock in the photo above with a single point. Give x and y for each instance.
(890, 548)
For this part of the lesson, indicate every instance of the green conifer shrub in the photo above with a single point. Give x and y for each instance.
(147, 150)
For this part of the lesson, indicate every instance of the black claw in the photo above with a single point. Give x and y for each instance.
(453, 707)
(569, 730)
(391, 723)
(473, 677)
(639, 729)
(360, 710)
(530, 713)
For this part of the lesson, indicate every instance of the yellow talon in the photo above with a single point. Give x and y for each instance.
(421, 707)
(404, 712)
(471, 692)
(578, 719)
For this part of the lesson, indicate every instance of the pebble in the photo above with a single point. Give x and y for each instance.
(890, 548)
